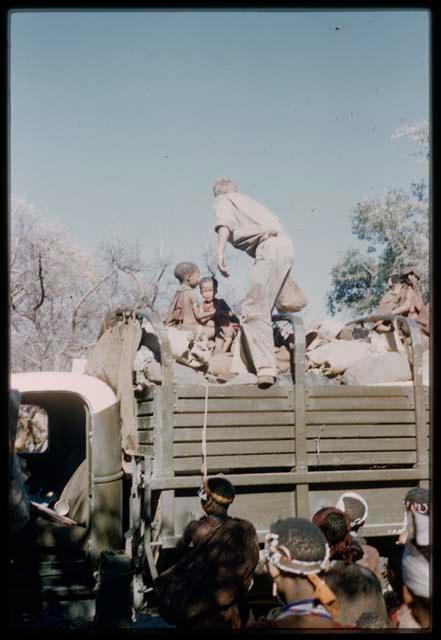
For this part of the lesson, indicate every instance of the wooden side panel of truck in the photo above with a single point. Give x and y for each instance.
(288, 450)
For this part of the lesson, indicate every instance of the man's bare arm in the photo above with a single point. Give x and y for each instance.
(223, 235)
(405, 307)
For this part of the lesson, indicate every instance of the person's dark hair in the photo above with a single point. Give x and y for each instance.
(184, 269)
(395, 278)
(304, 539)
(336, 526)
(372, 620)
(418, 495)
(355, 509)
(405, 272)
(221, 489)
(351, 581)
(220, 494)
(358, 590)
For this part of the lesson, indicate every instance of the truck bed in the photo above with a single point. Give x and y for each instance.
(289, 450)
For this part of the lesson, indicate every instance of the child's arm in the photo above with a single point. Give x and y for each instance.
(202, 319)
(201, 315)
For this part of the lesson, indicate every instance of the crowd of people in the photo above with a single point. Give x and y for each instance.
(321, 572)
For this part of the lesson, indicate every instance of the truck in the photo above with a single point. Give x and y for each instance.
(288, 450)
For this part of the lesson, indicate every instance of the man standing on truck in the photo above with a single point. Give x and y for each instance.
(251, 227)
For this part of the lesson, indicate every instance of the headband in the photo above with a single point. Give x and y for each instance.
(341, 505)
(411, 505)
(285, 562)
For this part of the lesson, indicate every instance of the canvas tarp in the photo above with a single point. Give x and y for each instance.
(111, 360)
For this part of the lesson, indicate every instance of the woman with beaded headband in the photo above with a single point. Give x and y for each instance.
(296, 557)
(356, 507)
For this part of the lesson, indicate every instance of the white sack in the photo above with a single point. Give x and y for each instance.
(179, 341)
(338, 355)
(389, 367)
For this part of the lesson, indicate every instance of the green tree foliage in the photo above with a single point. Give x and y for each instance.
(396, 231)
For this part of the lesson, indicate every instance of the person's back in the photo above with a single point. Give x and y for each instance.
(250, 221)
(208, 586)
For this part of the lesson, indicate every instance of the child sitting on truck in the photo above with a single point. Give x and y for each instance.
(184, 312)
(223, 326)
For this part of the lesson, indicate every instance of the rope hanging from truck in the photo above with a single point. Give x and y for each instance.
(204, 437)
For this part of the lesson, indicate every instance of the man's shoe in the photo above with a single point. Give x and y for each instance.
(264, 382)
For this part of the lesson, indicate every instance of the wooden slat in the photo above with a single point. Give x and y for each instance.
(145, 437)
(145, 408)
(359, 417)
(197, 405)
(233, 419)
(358, 458)
(231, 462)
(362, 444)
(146, 449)
(230, 391)
(353, 391)
(235, 433)
(350, 476)
(145, 422)
(359, 404)
(237, 448)
(361, 430)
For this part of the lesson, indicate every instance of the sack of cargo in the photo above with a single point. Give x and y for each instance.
(336, 356)
(388, 367)
(330, 328)
(179, 341)
(220, 366)
(292, 298)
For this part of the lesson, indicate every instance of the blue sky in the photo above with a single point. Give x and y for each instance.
(121, 122)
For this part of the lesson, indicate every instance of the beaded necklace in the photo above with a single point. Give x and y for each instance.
(304, 608)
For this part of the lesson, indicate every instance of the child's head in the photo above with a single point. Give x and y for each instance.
(188, 273)
(208, 288)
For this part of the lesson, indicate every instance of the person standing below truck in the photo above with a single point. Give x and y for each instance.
(251, 227)
(297, 558)
(208, 587)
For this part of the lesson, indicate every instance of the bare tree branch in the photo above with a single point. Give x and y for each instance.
(86, 295)
(43, 294)
(156, 284)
